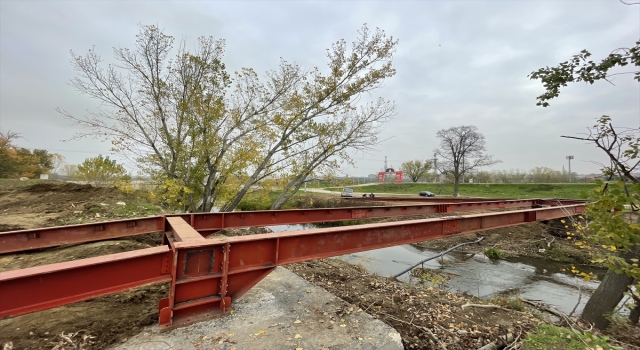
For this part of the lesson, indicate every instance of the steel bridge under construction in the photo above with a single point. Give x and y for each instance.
(207, 275)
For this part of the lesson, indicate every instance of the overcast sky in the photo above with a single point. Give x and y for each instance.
(458, 63)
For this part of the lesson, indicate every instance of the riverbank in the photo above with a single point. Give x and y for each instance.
(532, 240)
(425, 316)
(428, 317)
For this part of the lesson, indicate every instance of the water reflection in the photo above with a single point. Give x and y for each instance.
(478, 275)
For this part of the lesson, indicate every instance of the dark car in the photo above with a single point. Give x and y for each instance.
(426, 194)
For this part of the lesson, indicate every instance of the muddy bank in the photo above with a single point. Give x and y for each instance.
(534, 240)
(424, 316)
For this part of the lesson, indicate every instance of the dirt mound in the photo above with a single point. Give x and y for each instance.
(4, 228)
(58, 187)
(55, 203)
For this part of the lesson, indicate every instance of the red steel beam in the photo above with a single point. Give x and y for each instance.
(206, 275)
(43, 287)
(15, 241)
(204, 222)
(212, 273)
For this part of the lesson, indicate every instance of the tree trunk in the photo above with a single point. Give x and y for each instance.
(634, 315)
(456, 185)
(605, 299)
(286, 194)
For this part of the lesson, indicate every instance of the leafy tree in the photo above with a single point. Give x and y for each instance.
(609, 227)
(216, 136)
(416, 169)
(580, 69)
(21, 162)
(462, 149)
(101, 171)
(8, 159)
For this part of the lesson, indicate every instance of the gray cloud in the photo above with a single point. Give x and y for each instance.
(458, 63)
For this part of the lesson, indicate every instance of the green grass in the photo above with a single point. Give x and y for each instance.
(568, 191)
(494, 253)
(549, 337)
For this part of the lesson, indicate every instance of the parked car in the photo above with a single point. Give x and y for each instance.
(347, 192)
(426, 194)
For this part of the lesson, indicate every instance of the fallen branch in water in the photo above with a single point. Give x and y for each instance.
(437, 256)
(546, 308)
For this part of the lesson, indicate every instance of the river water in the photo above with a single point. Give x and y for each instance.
(478, 275)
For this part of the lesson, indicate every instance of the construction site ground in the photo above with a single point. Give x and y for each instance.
(424, 316)
(283, 311)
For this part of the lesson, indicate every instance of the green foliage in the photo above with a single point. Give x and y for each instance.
(510, 300)
(102, 171)
(256, 201)
(175, 195)
(429, 276)
(21, 162)
(611, 229)
(611, 236)
(549, 337)
(580, 69)
(416, 170)
(494, 253)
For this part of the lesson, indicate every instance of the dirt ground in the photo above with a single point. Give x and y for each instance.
(52, 203)
(105, 320)
(424, 316)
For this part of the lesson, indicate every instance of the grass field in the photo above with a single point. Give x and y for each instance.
(571, 191)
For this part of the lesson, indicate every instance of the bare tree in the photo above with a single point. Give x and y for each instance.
(462, 149)
(416, 169)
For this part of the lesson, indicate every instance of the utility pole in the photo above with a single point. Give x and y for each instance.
(569, 159)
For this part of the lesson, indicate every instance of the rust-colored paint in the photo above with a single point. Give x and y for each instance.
(206, 275)
(43, 287)
(206, 223)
